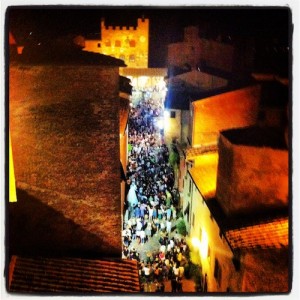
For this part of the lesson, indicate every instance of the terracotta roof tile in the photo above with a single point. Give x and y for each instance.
(272, 234)
(73, 275)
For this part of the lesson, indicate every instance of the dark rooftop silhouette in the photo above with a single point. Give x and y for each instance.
(257, 136)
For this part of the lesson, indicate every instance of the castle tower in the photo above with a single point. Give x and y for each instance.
(128, 43)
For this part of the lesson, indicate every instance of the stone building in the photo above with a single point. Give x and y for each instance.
(211, 55)
(182, 90)
(68, 112)
(128, 43)
(237, 211)
(232, 109)
(64, 122)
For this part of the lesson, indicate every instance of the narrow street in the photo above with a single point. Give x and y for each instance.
(150, 235)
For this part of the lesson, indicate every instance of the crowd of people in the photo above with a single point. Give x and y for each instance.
(151, 203)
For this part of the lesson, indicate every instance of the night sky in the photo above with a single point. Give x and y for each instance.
(166, 25)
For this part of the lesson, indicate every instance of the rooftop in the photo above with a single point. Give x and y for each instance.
(255, 136)
(266, 229)
(197, 79)
(205, 174)
(65, 54)
(72, 275)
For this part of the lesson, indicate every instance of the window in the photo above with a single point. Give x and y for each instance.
(131, 57)
(118, 43)
(132, 43)
(99, 45)
(190, 188)
(107, 43)
(172, 114)
(122, 56)
(218, 272)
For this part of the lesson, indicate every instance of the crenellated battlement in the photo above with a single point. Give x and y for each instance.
(128, 43)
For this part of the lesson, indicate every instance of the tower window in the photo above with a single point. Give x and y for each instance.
(172, 114)
(118, 43)
(132, 58)
(99, 45)
(107, 43)
(132, 43)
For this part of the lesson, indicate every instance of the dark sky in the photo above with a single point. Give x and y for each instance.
(166, 25)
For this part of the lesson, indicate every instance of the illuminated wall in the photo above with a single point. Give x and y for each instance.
(124, 113)
(233, 109)
(127, 43)
(64, 125)
(251, 178)
(209, 246)
(172, 125)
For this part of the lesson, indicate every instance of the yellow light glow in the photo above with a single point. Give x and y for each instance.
(204, 244)
(166, 114)
(195, 242)
(160, 124)
(12, 182)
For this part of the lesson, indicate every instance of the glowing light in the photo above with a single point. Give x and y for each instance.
(195, 242)
(204, 244)
(166, 119)
(12, 182)
(166, 114)
(160, 124)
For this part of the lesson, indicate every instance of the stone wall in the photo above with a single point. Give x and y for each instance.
(251, 178)
(233, 109)
(266, 271)
(64, 125)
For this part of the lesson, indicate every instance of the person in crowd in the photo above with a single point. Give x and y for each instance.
(149, 209)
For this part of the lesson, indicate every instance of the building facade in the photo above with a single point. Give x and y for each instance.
(242, 235)
(64, 120)
(127, 43)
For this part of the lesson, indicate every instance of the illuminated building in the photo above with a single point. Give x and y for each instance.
(233, 109)
(127, 43)
(146, 82)
(237, 211)
(183, 89)
(125, 90)
(67, 125)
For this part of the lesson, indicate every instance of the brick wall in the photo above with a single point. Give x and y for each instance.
(64, 125)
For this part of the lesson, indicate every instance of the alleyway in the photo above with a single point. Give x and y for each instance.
(151, 213)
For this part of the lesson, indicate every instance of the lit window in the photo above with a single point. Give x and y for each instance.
(132, 43)
(118, 43)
